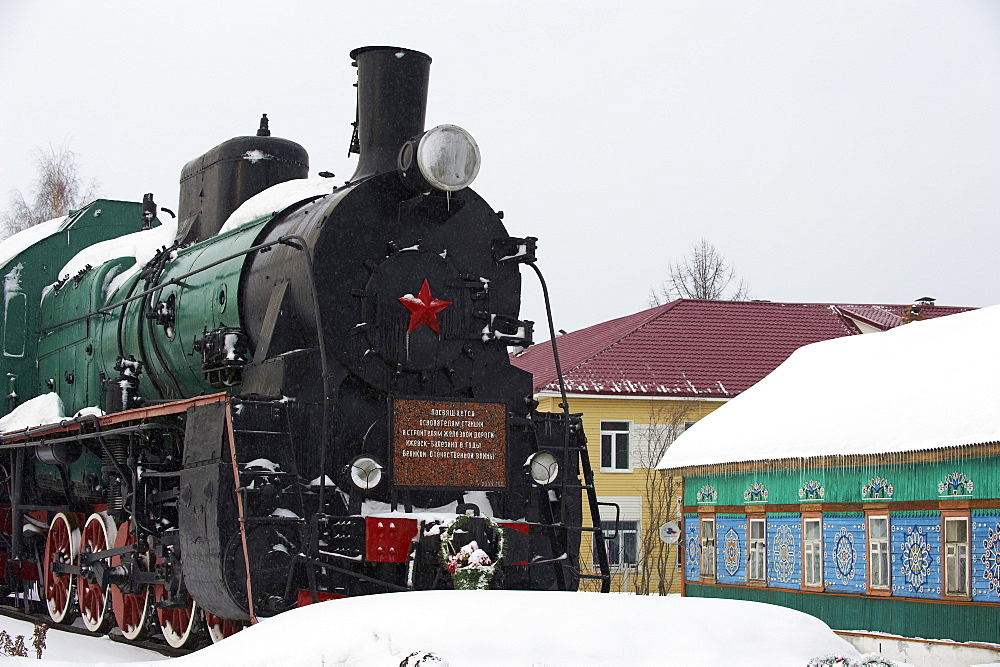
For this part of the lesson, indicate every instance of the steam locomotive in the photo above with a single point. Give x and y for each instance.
(291, 391)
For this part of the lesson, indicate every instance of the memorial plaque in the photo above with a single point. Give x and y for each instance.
(449, 443)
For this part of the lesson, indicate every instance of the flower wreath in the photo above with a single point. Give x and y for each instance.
(470, 567)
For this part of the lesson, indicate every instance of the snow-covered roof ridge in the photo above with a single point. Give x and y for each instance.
(12, 246)
(704, 342)
(927, 385)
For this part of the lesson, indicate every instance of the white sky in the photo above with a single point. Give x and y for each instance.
(840, 151)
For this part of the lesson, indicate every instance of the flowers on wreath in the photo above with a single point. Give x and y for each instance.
(469, 557)
(470, 566)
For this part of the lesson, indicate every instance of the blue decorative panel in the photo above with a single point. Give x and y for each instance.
(784, 552)
(844, 553)
(692, 551)
(915, 544)
(731, 534)
(985, 557)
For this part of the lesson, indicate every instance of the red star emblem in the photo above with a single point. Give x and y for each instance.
(423, 308)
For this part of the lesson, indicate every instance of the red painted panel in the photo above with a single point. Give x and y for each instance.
(387, 540)
(519, 527)
(305, 597)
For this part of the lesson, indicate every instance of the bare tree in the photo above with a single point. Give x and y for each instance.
(647, 565)
(704, 274)
(657, 561)
(57, 190)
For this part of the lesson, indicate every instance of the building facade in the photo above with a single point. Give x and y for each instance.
(873, 503)
(643, 379)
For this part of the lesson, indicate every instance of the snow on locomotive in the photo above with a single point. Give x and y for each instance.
(290, 392)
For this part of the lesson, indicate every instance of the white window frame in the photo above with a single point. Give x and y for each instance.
(879, 556)
(757, 549)
(956, 558)
(616, 544)
(708, 546)
(812, 553)
(613, 435)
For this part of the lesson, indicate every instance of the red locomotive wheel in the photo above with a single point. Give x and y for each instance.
(133, 611)
(94, 601)
(219, 628)
(180, 627)
(60, 547)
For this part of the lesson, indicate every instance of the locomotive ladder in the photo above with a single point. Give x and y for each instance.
(598, 537)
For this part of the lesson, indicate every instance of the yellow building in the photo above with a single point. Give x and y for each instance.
(642, 379)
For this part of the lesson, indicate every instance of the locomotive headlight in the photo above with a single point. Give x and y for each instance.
(448, 158)
(543, 468)
(365, 472)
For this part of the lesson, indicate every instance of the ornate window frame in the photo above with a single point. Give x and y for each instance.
(811, 547)
(757, 550)
(879, 548)
(709, 546)
(956, 517)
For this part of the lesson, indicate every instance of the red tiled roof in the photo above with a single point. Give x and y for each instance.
(694, 348)
(876, 316)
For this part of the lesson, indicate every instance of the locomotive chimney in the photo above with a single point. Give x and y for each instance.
(392, 103)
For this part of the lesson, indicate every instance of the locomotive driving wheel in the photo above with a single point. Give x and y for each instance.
(93, 600)
(181, 627)
(219, 628)
(133, 610)
(60, 549)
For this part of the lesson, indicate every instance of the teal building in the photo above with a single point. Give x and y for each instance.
(858, 482)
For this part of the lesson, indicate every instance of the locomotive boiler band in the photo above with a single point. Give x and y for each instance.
(266, 415)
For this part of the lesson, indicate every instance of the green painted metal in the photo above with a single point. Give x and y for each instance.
(87, 350)
(37, 267)
(207, 299)
(908, 618)
(66, 354)
(846, 484)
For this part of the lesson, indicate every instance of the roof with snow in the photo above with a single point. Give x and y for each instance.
(696, 348)
(927, 385)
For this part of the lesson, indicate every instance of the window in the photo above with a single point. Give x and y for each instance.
(956, 556)
(708, 547)
(879, 574)
(757, 551)
(812, 552)
(14, 324)
(623, 546)
(614, 446)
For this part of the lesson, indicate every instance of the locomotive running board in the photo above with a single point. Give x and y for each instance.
(15, 439)
(74, 430)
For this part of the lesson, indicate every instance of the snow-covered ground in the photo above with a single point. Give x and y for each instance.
(479, 628)
(75, 649)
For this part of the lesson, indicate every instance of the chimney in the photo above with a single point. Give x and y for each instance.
(392, 103)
